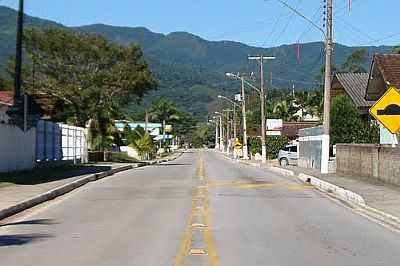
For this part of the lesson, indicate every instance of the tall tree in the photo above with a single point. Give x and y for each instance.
(286, 110)
(347, 125)
(355, 62)
(396, 50)
(165, 111)
(92, 77)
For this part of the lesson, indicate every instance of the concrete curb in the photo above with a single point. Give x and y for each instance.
(339, 192)
(64, 189)
(282, 171)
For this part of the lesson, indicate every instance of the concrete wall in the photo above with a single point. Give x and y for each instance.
(17, 148)
(366, 160)
(130, 151)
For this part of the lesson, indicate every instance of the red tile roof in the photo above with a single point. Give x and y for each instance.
(389, 65)
(291, 129)
(6, 98)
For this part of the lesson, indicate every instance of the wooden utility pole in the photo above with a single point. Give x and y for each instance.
(260, 60)
(18, 52)
(327, 88)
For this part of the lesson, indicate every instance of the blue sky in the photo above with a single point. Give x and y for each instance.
(255, 22)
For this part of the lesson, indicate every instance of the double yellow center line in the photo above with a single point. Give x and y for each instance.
(199, 222)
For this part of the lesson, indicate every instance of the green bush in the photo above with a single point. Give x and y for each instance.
(255, 145)
(347, 126)
(274, 144)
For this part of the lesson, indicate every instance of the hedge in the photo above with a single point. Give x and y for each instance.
(274, 144)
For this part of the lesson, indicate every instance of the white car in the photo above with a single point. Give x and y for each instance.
(288, 155)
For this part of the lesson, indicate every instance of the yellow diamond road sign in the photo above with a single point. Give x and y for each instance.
(237, 145)
(387, 110)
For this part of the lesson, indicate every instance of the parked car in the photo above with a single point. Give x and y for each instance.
(288, 155)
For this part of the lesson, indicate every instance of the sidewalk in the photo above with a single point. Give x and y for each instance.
(21, 191)
(15, 193)
(381, 196)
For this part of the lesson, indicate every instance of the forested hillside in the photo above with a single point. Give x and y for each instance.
(190, 69)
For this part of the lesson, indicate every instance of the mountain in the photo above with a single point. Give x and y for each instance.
(191, 69)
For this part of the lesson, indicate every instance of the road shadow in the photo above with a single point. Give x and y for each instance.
(50, 174)
(31, 222)
(23, 239)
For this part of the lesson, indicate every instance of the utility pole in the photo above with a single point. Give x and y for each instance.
(261, 59)
(221, 140)
(327, 87)
(234, 122)
(18, 53)
(245, 148)
(228, 133)
(216, 134)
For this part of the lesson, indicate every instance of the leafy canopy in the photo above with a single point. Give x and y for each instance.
(88, 73)
(347, 125)
(356, 61)
(164, 110)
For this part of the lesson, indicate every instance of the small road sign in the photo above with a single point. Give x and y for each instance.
(237, 145)
(387, 110)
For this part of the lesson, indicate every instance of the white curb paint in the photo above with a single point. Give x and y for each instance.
(341, 193)
(281, 171)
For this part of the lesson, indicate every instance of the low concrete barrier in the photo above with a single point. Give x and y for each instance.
(339, 192)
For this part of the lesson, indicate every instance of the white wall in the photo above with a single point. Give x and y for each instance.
(17, 149)
(130, 151)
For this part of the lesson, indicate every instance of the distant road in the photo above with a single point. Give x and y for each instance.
(198, 210)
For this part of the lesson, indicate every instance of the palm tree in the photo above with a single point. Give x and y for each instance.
(281, 109)
(286, 110)
(140, 140)
(164, 110)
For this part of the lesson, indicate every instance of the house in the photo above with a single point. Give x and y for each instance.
(6, 100)
(291, 129)
(385, 72)
(154, 129)
(354, 85)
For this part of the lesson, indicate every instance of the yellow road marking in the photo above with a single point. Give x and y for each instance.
(184, 246)
(198, 252)
(255, 186)
(199, 210)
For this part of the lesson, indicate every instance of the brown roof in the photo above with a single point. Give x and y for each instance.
(291, 129)
(6, 98)
(355, 85)
(389, 65)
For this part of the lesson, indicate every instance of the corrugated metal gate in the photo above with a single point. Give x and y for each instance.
(60, 142)
(310, 147)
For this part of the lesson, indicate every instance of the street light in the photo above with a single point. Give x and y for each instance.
(216, 132)
(221, 142)
(234, 113)
(260, 60)
(245, 148)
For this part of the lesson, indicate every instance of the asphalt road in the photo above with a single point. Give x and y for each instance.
(197, 210)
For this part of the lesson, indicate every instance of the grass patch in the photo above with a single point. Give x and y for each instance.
(5, 184)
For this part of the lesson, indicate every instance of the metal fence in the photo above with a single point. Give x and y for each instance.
(310, 147)
(59, 142)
